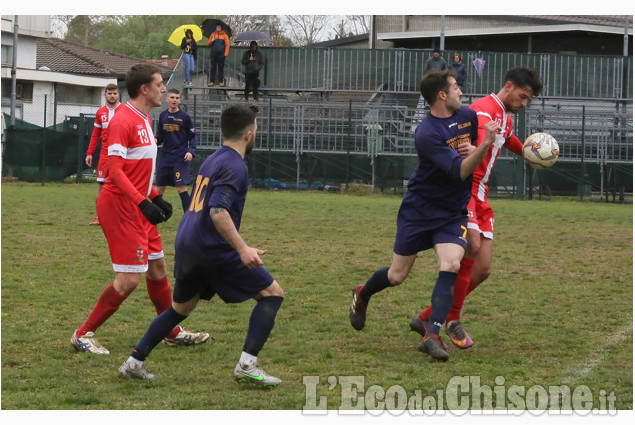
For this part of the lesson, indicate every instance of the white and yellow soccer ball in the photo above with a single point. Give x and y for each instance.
(541, 150)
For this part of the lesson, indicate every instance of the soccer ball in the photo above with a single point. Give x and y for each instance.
(540, 150)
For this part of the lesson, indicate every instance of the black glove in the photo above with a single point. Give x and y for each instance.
(164, 205)
(153, 213)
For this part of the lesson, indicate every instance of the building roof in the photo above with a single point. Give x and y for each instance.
(604, 20)
(64, 56)
(342, 41)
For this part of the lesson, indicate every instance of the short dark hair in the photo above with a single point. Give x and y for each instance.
(235, 119)
(175, 91)
(524, 76)
(111, 87)
(139, 75)
(436, 50)
(434, 82)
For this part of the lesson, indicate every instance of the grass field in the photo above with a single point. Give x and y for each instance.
(557, 310)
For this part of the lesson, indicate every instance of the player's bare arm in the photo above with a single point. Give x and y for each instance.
(469, 164)
(225, 226)
(465, 149)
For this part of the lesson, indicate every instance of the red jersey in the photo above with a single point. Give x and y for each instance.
(102, 118)
(490, 108)
(131, 138)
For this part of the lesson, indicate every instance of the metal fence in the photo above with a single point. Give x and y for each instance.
(597, 132)
(364, 104)
(399, 70)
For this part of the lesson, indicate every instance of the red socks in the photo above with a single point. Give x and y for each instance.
(161, 296)
(108, 303)
(460, 288)
(160, 293)
(110, 300)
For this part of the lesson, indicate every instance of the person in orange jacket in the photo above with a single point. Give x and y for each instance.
(219, 43)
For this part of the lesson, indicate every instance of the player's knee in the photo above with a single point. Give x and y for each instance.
(397, 277)
(480, 274)
(126, 284)
(156, 269)
(473, 247)
(273, 290)
(452, 266)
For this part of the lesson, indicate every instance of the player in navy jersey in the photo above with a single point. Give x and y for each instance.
(433, 212)
(176, 136)
(212, 258)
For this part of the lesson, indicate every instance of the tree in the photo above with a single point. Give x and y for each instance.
(82, 29)
(358, 24)
(306, 29)
(278, 34)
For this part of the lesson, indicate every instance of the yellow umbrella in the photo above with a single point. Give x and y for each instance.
(179, 33)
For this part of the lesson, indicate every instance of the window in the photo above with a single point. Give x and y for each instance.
(78, 95)
(7, 55)
(23, 89)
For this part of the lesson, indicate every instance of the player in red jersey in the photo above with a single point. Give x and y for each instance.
(129, 208)
(102, 118)
(521, 84)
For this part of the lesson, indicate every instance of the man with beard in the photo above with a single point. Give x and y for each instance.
(129, 209)
(212, 258)
(521, 84)
(433, 211)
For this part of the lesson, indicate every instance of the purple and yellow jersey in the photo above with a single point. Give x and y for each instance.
(222, 181)
(176, 135)
(435, 189)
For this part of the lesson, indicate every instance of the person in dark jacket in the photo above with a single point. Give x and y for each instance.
(460, 69)
(252, 59)
(435, 62)
(188, 45)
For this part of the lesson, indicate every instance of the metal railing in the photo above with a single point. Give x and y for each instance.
(598, 133)
(335, 69)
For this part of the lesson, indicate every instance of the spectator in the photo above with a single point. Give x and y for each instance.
(435, 62)
(252, 59)
(219, 43)
(189, 47)
(460, 69)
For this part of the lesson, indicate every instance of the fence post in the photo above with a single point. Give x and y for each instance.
(43, 143)
(521, 126)
(80, 143)
(269, 125)
(348, 140)
(581, 184)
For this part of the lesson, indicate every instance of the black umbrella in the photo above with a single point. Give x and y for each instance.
(209, 26)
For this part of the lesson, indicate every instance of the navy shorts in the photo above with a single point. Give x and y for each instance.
(232, 280)
(412, 237)
(173, 175)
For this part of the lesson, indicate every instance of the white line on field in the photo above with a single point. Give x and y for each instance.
(597, 357)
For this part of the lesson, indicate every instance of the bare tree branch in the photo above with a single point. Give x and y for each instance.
(306, 29)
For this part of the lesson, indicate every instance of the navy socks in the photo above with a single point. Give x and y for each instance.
(160, 327)
(442, 298)
(261, 323)
(185, 200)
(377, 282)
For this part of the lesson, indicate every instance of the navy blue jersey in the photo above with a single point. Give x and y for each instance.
(222, 181)
(435, 188)
(176, 135)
